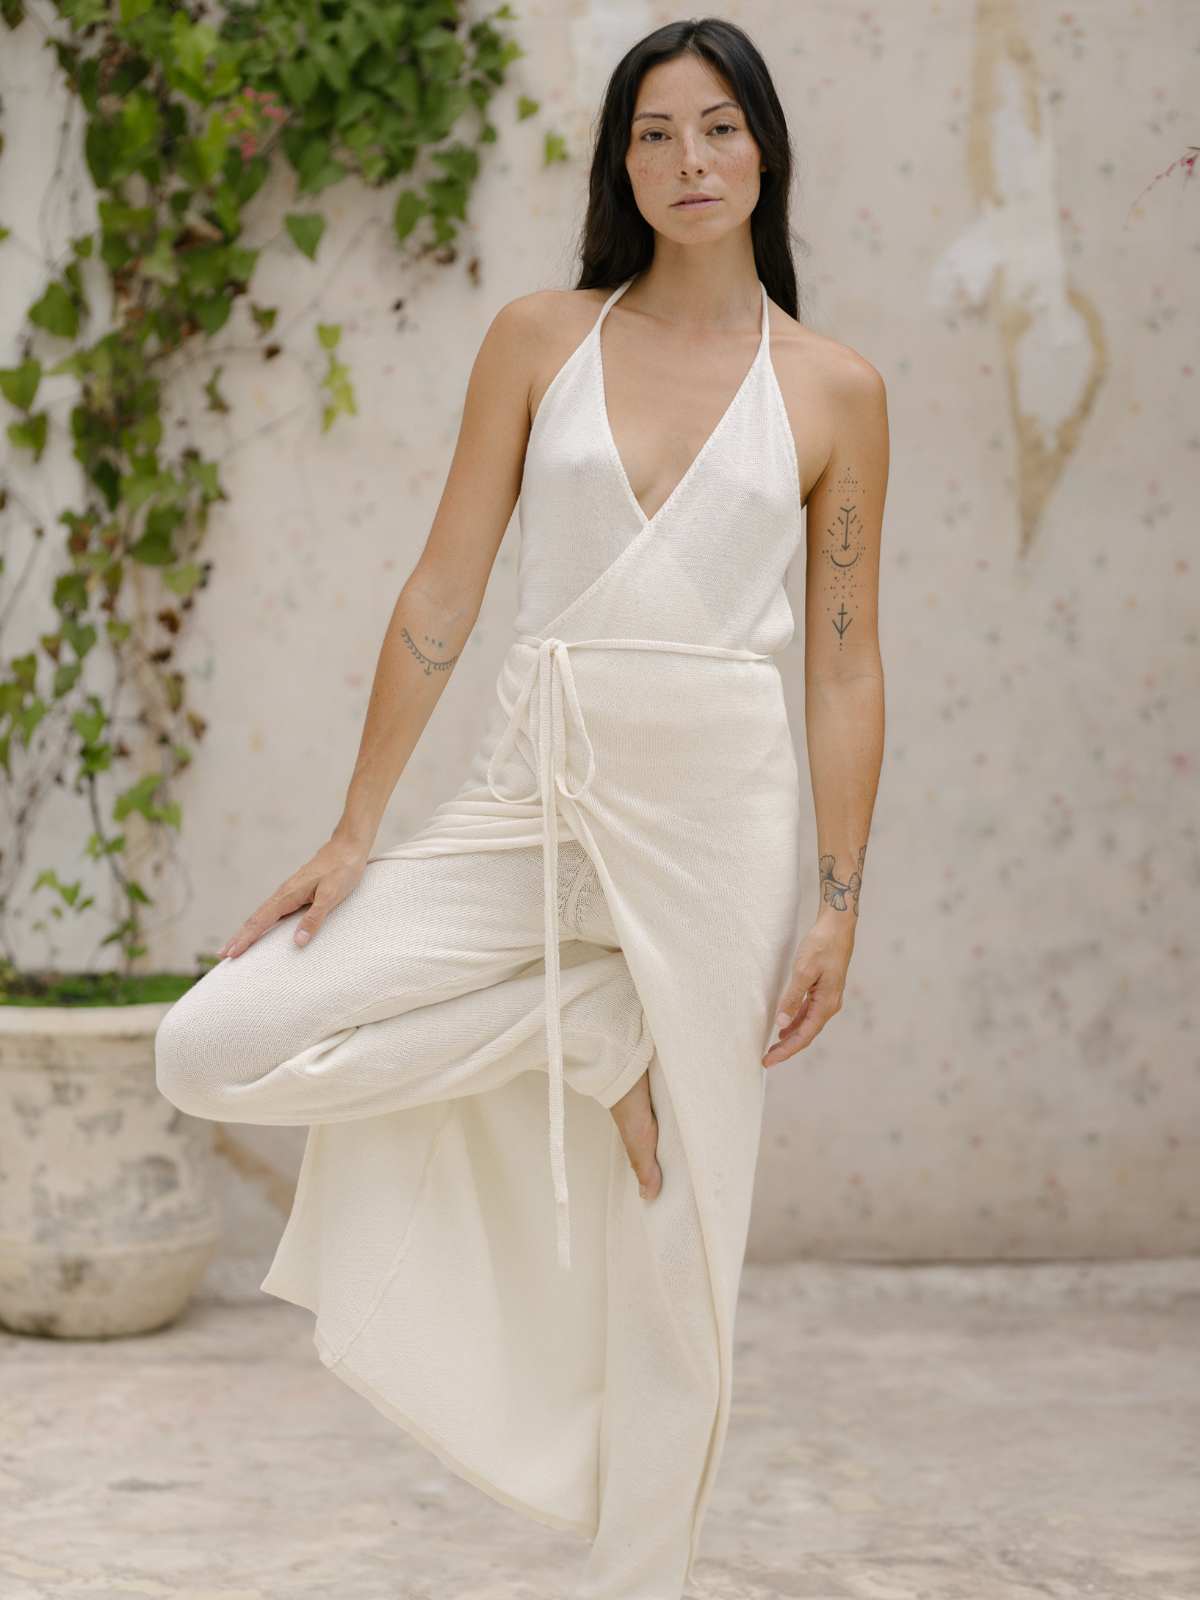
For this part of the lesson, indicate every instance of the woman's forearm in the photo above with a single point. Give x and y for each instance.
(424, 639)
(844, 720)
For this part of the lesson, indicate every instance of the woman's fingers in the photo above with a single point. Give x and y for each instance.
(320, 884)
(806, 1018)
(281, 904)
(329, 892)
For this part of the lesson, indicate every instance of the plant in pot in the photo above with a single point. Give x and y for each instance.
(109, 1211)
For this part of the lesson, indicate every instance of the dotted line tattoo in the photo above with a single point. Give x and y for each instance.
(431, 666)
(843, 554)
(833, 891)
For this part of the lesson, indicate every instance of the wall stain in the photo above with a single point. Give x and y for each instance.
(1044, 444)
(278, 1189)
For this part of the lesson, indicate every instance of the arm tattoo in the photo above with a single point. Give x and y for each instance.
(834, 891)
(428, 662)
(845, 548)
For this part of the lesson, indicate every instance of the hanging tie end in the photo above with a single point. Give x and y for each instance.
(564, 1235)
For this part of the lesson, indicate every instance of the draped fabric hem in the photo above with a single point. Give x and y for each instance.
(342, 1369)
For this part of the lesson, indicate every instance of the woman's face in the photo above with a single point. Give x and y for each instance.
(689, 136)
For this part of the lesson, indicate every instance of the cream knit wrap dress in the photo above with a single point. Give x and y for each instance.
(457, 1254)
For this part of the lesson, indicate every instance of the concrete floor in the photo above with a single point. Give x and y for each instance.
(899, 1433)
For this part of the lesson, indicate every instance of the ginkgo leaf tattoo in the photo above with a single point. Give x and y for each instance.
(834, 892)
(430, 664)
(843, 550)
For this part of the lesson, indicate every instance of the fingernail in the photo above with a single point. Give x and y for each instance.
(642, 1190)
(302, 936)
(781, 1018)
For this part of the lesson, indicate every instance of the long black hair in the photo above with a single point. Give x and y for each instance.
(617, 242)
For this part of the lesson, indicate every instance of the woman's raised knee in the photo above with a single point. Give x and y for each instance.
(195, 1056)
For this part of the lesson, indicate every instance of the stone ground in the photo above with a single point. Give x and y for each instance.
(1026, 1432)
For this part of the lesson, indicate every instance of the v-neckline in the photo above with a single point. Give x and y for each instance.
(610, 439)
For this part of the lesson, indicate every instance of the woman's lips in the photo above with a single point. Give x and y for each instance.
(709, 200)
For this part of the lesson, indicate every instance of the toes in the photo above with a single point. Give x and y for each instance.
(634, 1115)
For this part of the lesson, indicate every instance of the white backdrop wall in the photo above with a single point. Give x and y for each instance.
(1016, 1071)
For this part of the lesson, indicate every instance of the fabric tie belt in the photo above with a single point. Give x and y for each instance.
(558, 711)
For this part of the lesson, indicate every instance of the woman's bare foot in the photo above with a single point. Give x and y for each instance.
(638, 1127)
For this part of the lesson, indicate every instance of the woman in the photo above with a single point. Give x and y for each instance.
(635, 796)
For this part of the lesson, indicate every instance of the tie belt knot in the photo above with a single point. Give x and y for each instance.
(558, 710)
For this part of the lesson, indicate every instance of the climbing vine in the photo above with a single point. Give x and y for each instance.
(184, 119)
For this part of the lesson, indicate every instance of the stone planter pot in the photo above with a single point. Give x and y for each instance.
(109, 1209)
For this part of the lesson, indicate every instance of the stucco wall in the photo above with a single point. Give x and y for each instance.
(1016, 1071)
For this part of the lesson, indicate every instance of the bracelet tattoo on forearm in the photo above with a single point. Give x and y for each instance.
(426, 661)
(834, 892)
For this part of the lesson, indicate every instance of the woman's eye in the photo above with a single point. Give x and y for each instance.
(645, 138)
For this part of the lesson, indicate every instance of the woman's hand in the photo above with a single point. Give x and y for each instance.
(814, 991)
(324, 881)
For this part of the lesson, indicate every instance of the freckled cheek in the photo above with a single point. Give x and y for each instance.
(648, 174)
(740, 170)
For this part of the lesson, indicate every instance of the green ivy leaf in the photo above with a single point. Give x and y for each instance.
(240, 262)
(65, 678)
(299, 78)
(56, 311)
(30, 434)
(410, 208)
(159, 264)
(310, 155)
(195, 46)
(212, 314)
(80, 636)
(306, 229)
(138, 797)
(144, 437)
(333, 65)
(205, 267)
(156, 546)
(209, 148)
(19, 385)
(183, 580)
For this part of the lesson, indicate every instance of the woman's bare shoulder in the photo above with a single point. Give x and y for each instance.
(800, 350)
(819, 377)
(542, 328)
(546, 315)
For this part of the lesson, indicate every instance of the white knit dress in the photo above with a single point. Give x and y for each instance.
(640, 712)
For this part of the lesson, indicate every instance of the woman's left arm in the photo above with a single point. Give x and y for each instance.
(844, 698)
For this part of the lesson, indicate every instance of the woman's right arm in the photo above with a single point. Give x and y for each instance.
(432, 618)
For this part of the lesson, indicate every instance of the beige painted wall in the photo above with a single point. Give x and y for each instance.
(1016, 1071)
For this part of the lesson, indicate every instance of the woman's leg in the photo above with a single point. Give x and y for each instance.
(424, 984)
